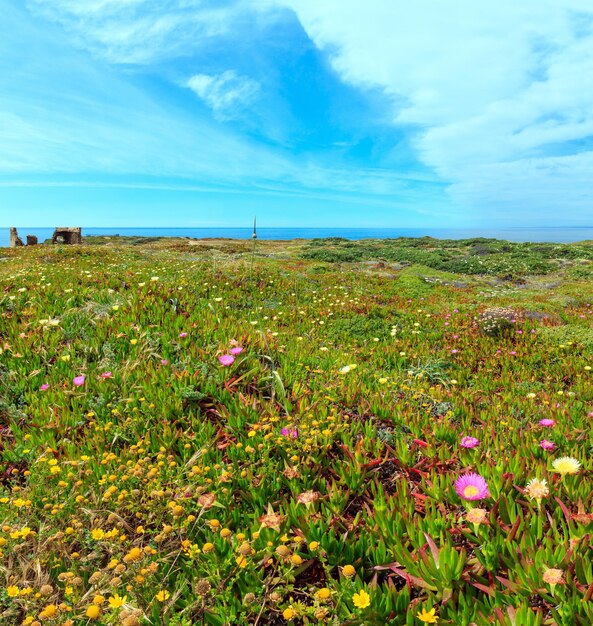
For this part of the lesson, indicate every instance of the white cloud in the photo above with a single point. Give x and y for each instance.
(490, 89)
(139, 31)
(227, 94)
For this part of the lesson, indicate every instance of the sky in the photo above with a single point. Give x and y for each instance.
(450, 113)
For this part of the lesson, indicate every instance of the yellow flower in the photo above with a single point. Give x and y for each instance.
(566, 465)
(361, 599)
(348, 571)
(163, 595)
(48, 612)
(12, 591)
(93, 612)
(288, 613)
(97, 534)
(428, 617)
(116, 601)
(324, 593)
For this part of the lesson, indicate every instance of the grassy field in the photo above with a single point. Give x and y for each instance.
(325, 432)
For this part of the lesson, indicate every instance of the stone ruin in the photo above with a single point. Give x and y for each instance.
(15, 240)
(67, 235)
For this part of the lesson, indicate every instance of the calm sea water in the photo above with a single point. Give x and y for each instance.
(560, 235)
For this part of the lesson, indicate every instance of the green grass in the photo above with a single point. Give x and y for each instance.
(321, 463)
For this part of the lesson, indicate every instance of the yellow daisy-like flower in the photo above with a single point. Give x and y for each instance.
(116, 601)
(163, 595)
(428, 617)
(93, 611)
(361, 599)
(12, 591)
(566, 465)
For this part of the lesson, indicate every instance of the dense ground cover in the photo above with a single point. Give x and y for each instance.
(190, 435)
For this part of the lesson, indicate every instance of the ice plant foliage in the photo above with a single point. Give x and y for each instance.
(307, 433)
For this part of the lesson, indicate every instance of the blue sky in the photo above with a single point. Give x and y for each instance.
(304, 112)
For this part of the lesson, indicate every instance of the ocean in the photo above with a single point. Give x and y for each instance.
(538, 234)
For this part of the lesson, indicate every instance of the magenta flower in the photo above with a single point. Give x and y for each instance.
(106, 375)
(472, 487)
(236, 350)
(182, 335)
(44, 387)
(547, 445)
(79, 380)
(290, 432)
(469, 442)
(547, 422)
(163, 361)
(226, 359)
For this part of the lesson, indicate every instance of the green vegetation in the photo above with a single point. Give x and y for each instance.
(331, 432)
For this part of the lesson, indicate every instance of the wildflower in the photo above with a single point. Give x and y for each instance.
(106, 375)
(163, 595)
(93, 611)
(548, 423)
(226, 359)
(288, 613)
(566, 465)
(476, 517)
(116, 601)
(79, 380)
(290, 432)
(308, 497)
(537, 489)
(469, 442)
(361, 599)
(348, 571)
(182, 335)
(48, 612)
(236, 350)
(135, 554)
(324, 593)
(12, 591)
(546, 444)
(428, 617)
(553, 577)
(97, 534)
(472, 487)
(44, 387)
(271, 519)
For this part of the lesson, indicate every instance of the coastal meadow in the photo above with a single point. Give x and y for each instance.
(285, 434)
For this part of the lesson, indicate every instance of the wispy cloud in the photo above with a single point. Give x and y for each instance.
(493, 92)
(227, 94)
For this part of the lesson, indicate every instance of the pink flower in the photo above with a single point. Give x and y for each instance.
(79, 380)
(290, 432)
(236, 350)
(547, 445)
(44, 387)
(226, 359)
(469, 442)
(547, 422)
(163, 361)
(106, 375)
(472, 487)
(182, 335)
